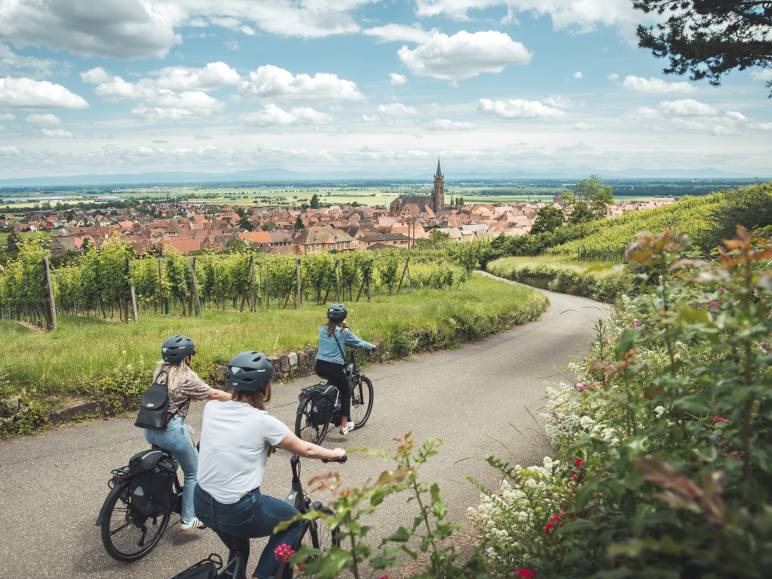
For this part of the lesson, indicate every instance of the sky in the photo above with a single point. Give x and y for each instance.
(368, 87)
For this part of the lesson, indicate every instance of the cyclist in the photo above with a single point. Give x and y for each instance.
(184, 385)
(330, 359)
(236, 438)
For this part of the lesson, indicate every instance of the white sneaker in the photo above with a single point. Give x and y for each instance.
(194, 524)
(344, 430)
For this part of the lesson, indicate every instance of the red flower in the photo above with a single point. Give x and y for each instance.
(578, 462)
(574, 475)
(719, 420)
(525, 573)
(283, 553)
(384, 576)
(548, 528)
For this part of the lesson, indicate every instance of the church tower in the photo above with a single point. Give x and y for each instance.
(438, 194)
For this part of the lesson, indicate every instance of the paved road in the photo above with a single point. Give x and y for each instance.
(480, 398)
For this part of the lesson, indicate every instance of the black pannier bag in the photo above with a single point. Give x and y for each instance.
(154, 408)
(151, 475)
(205, 569)
(322, 402)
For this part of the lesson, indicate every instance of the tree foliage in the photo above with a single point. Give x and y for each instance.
(548, 218)
(709, 38)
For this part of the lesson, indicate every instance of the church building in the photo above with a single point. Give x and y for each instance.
(428, 205)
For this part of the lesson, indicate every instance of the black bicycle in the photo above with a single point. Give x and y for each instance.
(316, 534)
(319, 405)
(136, 513)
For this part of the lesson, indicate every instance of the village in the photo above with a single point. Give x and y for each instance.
(189, 227)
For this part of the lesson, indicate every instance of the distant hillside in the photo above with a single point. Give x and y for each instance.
(606, 239)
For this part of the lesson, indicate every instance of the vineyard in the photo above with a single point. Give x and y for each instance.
(605, 240)
(110, 283)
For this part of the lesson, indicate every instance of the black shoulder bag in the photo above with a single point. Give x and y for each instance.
(154, 410)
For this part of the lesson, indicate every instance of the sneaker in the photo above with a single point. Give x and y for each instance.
(344, 430)
(194, 524)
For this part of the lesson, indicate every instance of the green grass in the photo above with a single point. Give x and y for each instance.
(598, 280)
(83, 349)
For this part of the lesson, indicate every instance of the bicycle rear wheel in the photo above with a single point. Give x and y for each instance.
(361, 401)
(126, 535)
(308, 429)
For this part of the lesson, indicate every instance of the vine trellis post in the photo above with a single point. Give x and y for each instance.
(50, 305)
(194, 289)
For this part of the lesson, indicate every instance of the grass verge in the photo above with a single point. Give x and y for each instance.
(602, 281)
(112, 362)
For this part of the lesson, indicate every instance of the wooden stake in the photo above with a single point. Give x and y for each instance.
(298, 294)
(194, 288)
(50, 311)
(404, 271)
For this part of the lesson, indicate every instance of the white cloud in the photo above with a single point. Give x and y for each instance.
(171, 106)
(653, 85)
(399, 33)
(274, 81)
(232, 24)
(687, 108)
(213, 76)
(232, 45)
(645, 113)
(736, 116)
(581, 15)
(578, 75)
(56, 133)
(274, 115)
(6, 117)
(43, 119)
(464, 55)
(370, 118)
(613, 76)
(448, 125)
(113, 87)
(519, 109)
(764, 74)
(396, 79)
(26, 92)
(582, 126)
(397, 110)
(10, 62)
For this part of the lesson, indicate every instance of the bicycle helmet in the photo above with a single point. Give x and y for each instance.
(175, 349)
(337, 313)
(248, 371)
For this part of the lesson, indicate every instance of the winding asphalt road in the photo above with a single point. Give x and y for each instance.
(482, 398)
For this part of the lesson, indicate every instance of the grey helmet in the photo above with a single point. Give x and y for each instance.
(337, 313)
(248, 371)
(175, 349)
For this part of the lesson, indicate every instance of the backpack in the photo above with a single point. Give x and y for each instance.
(151, 475)
(322, 402)
(154, 408)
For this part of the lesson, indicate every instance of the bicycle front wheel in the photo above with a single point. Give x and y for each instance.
(126, 535)
(361, 401)
(307, 427)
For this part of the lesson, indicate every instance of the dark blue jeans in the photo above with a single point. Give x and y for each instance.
(254, 515)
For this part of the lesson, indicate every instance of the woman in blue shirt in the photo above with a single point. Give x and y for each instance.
(330, 362)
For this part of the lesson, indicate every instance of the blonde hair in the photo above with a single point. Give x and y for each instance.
(174, 373)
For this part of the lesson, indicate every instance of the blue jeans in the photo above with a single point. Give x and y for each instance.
(176, 439)
(254, 515)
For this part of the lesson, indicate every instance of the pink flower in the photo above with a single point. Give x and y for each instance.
(574, 476)
(719, 420)
(714, 305)
(525, 573)
(578, 462)
(722, 290)
(384, 576)
(764, 346)
(637, 323)
(283, 553)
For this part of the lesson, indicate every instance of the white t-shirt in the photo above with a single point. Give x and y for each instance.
(235, 438)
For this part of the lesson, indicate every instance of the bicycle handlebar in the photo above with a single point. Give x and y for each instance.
(341, 460)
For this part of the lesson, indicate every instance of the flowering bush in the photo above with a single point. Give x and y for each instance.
(664, 466)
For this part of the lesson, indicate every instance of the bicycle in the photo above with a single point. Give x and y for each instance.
(319, 405)
(316, 532)
(142, 497)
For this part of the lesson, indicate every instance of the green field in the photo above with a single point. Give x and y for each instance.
(66, 361)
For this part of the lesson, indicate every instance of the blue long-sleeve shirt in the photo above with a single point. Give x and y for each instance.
(329, 350)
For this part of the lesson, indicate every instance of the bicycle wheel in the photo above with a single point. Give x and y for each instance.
(126, 535)
(319, 536)
(361, 401)
(305, 428)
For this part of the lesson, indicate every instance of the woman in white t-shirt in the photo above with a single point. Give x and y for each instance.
(236, 438)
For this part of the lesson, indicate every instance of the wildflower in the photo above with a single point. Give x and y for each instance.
(574, 476)
(659, 411)
(721, 290)
(714, 305)
(637, 323)
(525, 573)
(283, 553)
(719, 420)
(578, 462)
(384, 576)
(764, 346)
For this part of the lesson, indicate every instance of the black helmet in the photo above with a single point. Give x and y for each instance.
(337, 313)
(175, 349)
(248, 371)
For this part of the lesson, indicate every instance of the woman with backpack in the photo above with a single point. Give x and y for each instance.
(184, 385)
(236, 439)
(334, 337)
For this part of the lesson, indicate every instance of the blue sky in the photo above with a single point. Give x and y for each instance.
(364, 86)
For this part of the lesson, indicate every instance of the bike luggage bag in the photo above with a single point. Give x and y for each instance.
(206, 569)
(322, 401)
(151, 475)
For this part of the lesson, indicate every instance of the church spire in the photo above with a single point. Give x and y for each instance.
(439, 171)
